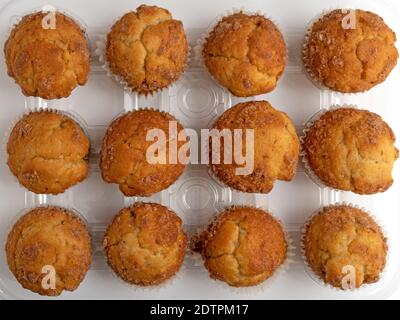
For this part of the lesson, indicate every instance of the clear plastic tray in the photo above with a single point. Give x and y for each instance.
(196, 100)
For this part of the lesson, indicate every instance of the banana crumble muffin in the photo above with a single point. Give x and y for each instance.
(340, 238)
(246, 54)
(243, 246)
(46, 62)
(48, 152)
(45, 238)
(276, 147)
(351, 149)
(147, 49)
(350, 50)
(145, 244)
(123, 158)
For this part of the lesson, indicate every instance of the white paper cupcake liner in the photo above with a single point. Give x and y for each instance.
(307, 71)
(72, 115)
(303, 156)
(100, 52)
(166, 284)
(319, 280)
(266, 284)
(198, 48)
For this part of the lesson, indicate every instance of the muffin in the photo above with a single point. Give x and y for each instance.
(45, 62)
(341, 238)
(243, 246)
(351, 150)
(246, 54)
(48, 152)
(145, 244)
(46, 238)
(350, 56)
(123, 158)
(147, 49)
(276, 147)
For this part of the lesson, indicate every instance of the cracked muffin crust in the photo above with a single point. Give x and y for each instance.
(49, 236)
(246, 54)
(148, 49)
(145, 244)
(341, 236)
(48, 152)
(352, 150)
(123, 158)
(47, 63)
(243, 246)
(276, 147)
(350, 59)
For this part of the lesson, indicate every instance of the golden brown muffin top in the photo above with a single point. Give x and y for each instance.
(276, 146)
(49, 236)
(350, 59)
(343, 238)
(243, 246)
(123, 155)
(47, 152)
(147, 48)
(47, 63)
(246, 54)
(352, 150)
(145, 244)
